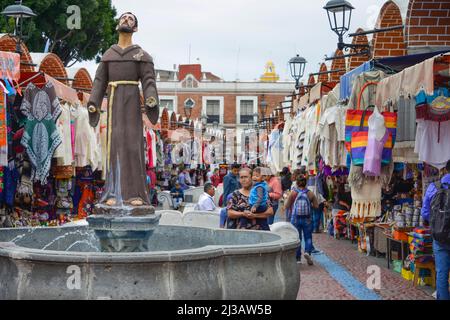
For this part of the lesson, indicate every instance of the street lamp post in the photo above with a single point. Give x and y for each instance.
(339, 16)
(188, 106)
(224, 135)
(297, 65)
(258, 121)
(18, 12)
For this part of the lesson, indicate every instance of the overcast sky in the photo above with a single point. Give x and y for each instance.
(235, 38)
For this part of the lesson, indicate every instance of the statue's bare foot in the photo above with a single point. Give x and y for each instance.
(111, 202)
(137, 202)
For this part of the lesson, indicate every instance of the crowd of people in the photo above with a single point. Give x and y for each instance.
(254, 198)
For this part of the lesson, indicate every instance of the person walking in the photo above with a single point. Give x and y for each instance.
(436, 211)
(301, 202)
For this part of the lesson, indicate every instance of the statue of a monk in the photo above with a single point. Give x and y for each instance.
(121, 69)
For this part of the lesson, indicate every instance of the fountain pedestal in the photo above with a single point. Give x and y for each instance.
(125, 228)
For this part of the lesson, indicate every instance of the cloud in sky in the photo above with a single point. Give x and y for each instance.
(235, 38)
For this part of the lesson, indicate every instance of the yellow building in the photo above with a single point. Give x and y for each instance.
(270, 75)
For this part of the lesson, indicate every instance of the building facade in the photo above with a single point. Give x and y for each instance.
(231, 104)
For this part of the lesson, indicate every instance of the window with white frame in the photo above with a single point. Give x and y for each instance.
(167, 103)
(213, 110)
(247, 108)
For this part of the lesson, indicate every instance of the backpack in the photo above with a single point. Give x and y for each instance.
(440, 215)
(302, 205)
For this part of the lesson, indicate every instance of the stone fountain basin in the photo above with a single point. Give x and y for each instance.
(184, 263)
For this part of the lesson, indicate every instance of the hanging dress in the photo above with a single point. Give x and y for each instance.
(41, 137)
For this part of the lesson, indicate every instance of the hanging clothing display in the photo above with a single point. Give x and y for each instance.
(433, 127)
(298, 140)
(366, 201)
(368, 96)
(310, 129)
(9, 179)
(287, 141)
(3, 130)
(332, 136)
(406, 120)
(63, 153)
(41, 137)
(431, 148)
(150, 139)
(181, 154)
(347, 80)
(87, 150)
(406, 83)
(275, 151)
(196, 154)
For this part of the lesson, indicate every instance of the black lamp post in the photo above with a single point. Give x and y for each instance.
(188, 106)
(263, 108)
(204, 120)
(297, 65)
(18, 12)
(340, 16)
(224, 136)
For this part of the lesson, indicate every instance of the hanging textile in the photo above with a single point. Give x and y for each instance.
(332, 98)
(87, 150)
(347, 80)
(287, 141)
(433, 127)
(64, 152)
(159, 150)
(408, 82)
(275, 151)
(363, 95)
(41, 137)
(431, 148)
(310, 130)
(406, 122)
(332, 136)
(151, 148)
(435, 107)
(366, 200)
(3, 131)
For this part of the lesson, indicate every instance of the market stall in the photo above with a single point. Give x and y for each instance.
(386, 125)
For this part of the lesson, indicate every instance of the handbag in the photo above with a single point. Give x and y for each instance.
(357, 128)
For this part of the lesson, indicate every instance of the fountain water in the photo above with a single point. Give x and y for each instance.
(181, 262)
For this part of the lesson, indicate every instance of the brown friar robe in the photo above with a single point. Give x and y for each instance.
(126, 173)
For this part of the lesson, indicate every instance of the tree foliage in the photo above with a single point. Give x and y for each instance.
(95, 36)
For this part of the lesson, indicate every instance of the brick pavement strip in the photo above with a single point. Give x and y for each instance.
(393, 286)
(317, 284)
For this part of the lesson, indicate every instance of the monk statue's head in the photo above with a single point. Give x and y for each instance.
(128, 23)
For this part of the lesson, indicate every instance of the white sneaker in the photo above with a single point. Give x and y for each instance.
(434, 295)
(308, 259)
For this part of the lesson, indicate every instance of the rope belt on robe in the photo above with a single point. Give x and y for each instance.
(114, 85)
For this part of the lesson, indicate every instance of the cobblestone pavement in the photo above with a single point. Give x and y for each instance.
(317, 284)
(341, 264)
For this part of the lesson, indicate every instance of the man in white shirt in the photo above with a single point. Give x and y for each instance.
(206, 200)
